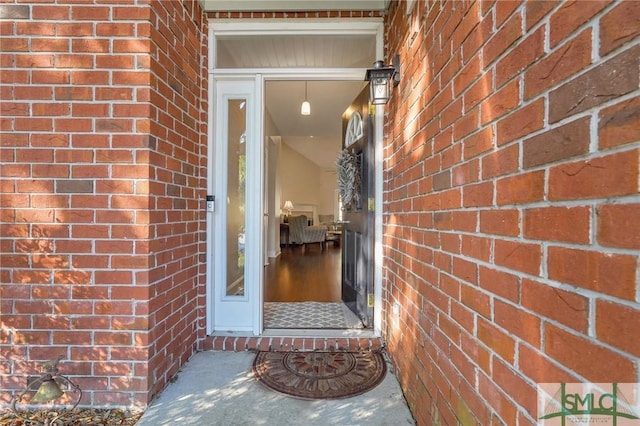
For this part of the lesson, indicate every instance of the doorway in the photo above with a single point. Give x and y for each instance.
(304, 280)
(261, 215)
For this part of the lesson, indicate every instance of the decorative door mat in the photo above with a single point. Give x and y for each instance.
(309, 315)
(319, 375)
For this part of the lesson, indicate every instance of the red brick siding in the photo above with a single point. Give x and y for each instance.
(178, 188)
(103, 148)
(513, 253)
(233, 343)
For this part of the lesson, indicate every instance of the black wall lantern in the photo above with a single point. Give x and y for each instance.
(380, 77)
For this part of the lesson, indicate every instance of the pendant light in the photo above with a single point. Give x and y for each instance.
(305, 109)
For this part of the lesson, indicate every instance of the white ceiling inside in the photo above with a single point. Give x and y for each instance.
(317, 136)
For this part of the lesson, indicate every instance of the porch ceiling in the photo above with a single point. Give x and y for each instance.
(292, 5)
(300, 51)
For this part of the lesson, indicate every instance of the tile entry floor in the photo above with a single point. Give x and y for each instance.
(309, 315)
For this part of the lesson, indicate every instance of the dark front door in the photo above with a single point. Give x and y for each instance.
(357, 195)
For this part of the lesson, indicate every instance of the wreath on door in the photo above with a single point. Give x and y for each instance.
(348, 178)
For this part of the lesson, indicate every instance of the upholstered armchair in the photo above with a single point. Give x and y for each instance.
(329, 221)
(301, 233)
(334, 233)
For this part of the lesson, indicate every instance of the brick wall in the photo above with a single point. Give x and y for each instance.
(103, 150)
(179, 132)
(512, 219)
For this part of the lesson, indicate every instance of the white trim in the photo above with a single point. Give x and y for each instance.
(210, 234)
(377, 194)
(257, 207)
(230, 312)
(282, 27)
(292, 73)
(339, 26)
(292, 5)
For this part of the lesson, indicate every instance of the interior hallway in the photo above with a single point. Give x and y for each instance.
(299, 275)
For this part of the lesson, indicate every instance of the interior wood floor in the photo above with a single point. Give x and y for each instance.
(308, 275)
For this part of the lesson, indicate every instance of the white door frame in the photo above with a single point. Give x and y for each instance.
(237, 312)
(283, 27)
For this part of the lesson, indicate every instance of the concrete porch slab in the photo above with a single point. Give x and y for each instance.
(218, 388)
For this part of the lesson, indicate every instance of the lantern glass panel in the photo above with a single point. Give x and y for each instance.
(379, 91)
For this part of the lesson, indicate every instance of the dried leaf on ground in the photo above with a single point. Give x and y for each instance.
(77, 417)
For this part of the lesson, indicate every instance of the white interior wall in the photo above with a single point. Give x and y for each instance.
(304, 182)
(272, 187)
(328, 188)
(273, 243)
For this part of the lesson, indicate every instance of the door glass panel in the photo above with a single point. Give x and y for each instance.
(236, 196)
